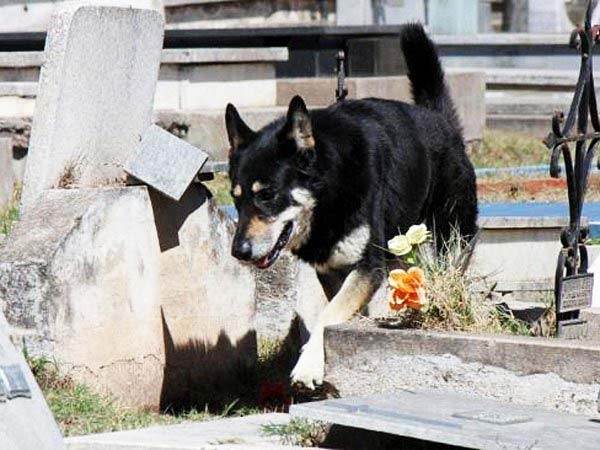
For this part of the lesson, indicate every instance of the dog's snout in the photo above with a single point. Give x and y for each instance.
(242, 249)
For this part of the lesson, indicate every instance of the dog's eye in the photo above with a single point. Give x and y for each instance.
(264, 196)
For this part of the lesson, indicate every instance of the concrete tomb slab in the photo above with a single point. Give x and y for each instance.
(25, 420)
(165, 162)
(503, 251)
(522, 354)
(235, 434)
(95, 95)
(458, 420)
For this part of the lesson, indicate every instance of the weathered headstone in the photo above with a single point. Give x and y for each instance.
(165, 162)
(133, 293)
(25, 421)
(95, 96)
(7, 178)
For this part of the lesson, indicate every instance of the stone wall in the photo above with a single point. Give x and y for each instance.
(248, 13)
(34, 15)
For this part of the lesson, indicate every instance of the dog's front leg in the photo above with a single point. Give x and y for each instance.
(355, 293)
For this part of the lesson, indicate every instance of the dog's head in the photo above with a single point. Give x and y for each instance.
(270, 172)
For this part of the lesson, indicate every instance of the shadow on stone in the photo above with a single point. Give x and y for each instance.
(198, 375)
(350, 438)
(19, 153)
(170, 215)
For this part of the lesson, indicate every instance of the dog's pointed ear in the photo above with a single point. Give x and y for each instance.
(237, 131)
(298, 126)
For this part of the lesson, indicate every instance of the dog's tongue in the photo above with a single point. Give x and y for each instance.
(263, 262)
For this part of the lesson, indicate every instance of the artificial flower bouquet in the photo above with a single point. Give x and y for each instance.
(407, 286)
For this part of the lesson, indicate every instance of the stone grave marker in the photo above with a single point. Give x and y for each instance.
(165, 162)
(135, 294)
(25, 421)
(457, 420)
(95, 96)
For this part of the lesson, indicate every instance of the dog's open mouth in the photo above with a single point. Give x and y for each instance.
(271, 257)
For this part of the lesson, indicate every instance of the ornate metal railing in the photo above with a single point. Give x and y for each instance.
(573, 285)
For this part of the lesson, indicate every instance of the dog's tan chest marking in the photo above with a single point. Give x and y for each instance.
(348, 251)
(237, 191)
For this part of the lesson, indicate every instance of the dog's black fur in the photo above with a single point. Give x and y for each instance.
(383, 163)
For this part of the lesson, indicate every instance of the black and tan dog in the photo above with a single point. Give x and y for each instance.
(334, 185)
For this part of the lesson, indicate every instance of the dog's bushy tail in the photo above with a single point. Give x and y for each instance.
(426, 74)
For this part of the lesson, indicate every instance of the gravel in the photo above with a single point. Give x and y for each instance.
(449, 373)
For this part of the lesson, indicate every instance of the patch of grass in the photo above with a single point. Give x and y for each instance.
(10, 214)
(79, 410)
(298, 432)
(220, 188)
(502, 149)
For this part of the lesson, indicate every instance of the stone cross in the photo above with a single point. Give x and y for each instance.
(95, 96)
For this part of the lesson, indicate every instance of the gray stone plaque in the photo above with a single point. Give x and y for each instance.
(13, 383)
(165, 162)
(576, 292)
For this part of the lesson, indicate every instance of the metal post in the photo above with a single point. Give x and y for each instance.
(341, 92)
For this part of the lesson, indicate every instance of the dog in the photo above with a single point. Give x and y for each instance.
(333, 185)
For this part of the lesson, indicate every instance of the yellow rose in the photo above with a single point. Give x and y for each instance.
(399, 245)
(417, 234)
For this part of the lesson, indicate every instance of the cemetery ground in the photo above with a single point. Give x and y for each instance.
(80, 410)
(118, 286)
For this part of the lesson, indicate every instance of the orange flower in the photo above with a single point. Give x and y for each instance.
(407, 289)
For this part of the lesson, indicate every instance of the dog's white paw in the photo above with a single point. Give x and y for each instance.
(310, 368)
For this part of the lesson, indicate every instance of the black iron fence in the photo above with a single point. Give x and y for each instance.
(577, 141)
